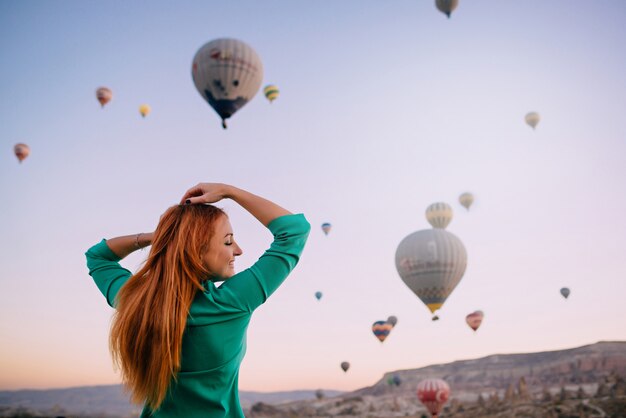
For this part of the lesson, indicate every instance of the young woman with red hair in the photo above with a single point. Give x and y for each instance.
(178, 339)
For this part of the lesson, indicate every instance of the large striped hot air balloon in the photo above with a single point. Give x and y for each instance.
(532, 119)
(446, 6)
(439, 215)
(381, 330)
(433, 393)
(431, 262)
(228, 74)
(104, 95)
(271, 92)
(21, 151)
(475, 319)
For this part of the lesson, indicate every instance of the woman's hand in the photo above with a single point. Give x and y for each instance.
(205, 193)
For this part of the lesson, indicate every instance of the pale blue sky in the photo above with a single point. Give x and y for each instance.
(385, 107)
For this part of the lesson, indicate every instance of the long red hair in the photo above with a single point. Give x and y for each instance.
(152, 306)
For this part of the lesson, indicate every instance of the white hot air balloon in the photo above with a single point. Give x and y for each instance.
(431, 262)
(439, 215)
(466, 200)
(446, 6)
(228, 74)
(533, 119)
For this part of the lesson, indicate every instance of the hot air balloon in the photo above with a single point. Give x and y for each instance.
(446, 6)
(565, 292)
(319, 394)
(532, 119)
(433, 393)
(345, 366)
(318, 295)
(474, 319)
(439, 215)
(392, 320)
(431, 262)
(228, 74)
(381, 330)
(104, 95)
(326, 227)
(466, 200)
(396, 380)
(21, 151)
(144, 109)
(271, 92)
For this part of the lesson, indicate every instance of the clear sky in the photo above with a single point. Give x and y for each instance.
(385, 107)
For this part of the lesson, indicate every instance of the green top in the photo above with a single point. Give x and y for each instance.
(214, 342)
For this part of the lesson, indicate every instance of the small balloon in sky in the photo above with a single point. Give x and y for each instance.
(104, 95)
(565, 292)
(22, 151)
(532, 119)
(474, 319)
(228, 74)
(439, 215)
(144, 110)
(381, 330)
(318, 295)
(392, 320)
(271, 92)
(466, 200)
(345, 366)
(326, 227)
(446, 6)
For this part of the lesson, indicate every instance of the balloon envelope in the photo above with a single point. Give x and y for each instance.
(433, 393)
(381, 330)
(104, 95)
(474, 319)
(446, 6)
(318, 295)
(565, 292)
(271, 92)
(532, 119)
(466, 200)
(345, 366)
(326, 227)
(144, 110)
(392, 320)
(431, 262)
(439, 215)
(228, 74)
(21, 151)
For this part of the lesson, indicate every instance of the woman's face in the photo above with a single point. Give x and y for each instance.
(220, 258)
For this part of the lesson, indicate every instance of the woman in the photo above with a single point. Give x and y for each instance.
(179, 339)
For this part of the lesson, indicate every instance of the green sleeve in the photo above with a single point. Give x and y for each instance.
(251, 288)
(105, 269)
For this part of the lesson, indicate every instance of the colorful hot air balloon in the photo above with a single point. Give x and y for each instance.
(446, 6)
(318, 295)
(474, 319)
(431, 262)
(144, 109)
(439, 215)
(532, 119)
(21, 151)
(565, 292)
(345, 366)
(228, 74)
(392, 320)
(433, 393)
(381, 330)
(104, 95)
(326, 227)
(319, 394)
(466, 200)
(271, 92)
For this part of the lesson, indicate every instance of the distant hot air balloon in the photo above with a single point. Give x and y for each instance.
(21, 151)
(144, 109)
(439, 215)
(326, 227)
(271, 92)
(319, 394)
(466, 200)
(318, 295)
(381, 330)
(565, 292)
(431, 262)
(532, 119)
(396, 380)
(345, 366)
(446, 6)
(433, 393)
(104, 95)
(392, 320)
(228, 74)
(474, 319)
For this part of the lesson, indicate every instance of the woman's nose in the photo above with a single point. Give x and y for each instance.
(238, 250)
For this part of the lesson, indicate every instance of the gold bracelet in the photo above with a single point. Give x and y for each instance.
(137, 246)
